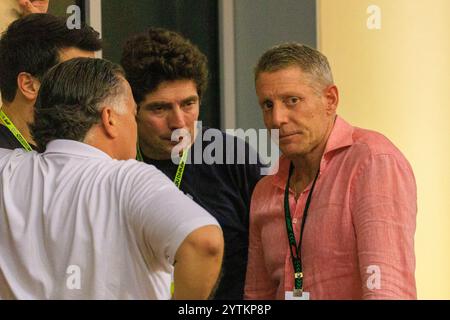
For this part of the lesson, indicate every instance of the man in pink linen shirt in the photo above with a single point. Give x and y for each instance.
(350, 190)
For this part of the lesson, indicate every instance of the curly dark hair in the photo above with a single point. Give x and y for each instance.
(159, 55)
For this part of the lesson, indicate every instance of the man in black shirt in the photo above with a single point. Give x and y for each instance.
(7, 139)
(168, 76)
(28, 49)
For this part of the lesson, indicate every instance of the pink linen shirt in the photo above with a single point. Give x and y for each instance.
(358, 239)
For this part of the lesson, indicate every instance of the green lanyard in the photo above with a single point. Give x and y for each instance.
(16, 133)
(180, 170)
(295, 250)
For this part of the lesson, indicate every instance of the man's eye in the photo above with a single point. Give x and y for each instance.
(190, 103)
(157, 108)
(291, 101)
(267, 105)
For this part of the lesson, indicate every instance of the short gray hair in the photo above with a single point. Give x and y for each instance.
(71, 98)
(291, 54)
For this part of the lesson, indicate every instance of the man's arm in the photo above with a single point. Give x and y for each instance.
(384, 215)
(197, 264)
(258, 284)
(172, 228)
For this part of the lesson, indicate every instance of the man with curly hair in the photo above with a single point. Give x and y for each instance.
(168, 76)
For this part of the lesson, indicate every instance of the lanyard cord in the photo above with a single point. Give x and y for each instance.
(180, 170)
(15, 132)
(294, 248)
(139, 153)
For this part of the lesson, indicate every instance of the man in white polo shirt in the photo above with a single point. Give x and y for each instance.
(80, 220)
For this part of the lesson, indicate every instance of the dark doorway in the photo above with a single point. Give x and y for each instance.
(197, 20)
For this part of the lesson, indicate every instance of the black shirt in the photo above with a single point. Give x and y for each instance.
(224, 190)
(8, 141)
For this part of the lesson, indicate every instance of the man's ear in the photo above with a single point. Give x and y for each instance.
(28, 86)
(109, 122)
(332, 98)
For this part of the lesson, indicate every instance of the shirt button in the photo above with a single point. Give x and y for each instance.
(294, 221)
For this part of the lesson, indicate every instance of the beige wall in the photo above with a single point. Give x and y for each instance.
(396, 80)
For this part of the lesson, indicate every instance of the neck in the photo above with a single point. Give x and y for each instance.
(150, 153)
(95, 138)
(307, 165)
(305, 169)
(21, 116)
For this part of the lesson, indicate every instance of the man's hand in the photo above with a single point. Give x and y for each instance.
(33, 6)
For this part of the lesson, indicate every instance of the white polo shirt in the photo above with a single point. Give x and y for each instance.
(76, 224)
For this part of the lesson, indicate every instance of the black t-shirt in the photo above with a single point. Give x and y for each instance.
(224, 190)
(8, 141)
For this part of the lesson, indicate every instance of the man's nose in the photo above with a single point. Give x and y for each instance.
(278, 115)
(176, 120)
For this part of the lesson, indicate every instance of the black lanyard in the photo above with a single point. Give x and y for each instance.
(296, 258)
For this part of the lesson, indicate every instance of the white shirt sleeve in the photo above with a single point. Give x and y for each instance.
(158, 209)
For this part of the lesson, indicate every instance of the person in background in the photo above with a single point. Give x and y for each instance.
(80, 220)
(28, 49)
(168, 76)
(11, 10)
(338, 219)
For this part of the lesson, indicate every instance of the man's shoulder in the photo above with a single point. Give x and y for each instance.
(369, 144)
(132, 166)
(373, 143)
(266, 193)
(268, 184)
(15, 160)
(139, 173)
(4, 152)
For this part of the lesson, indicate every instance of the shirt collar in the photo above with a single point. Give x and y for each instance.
(71, 147)
(341, 136)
